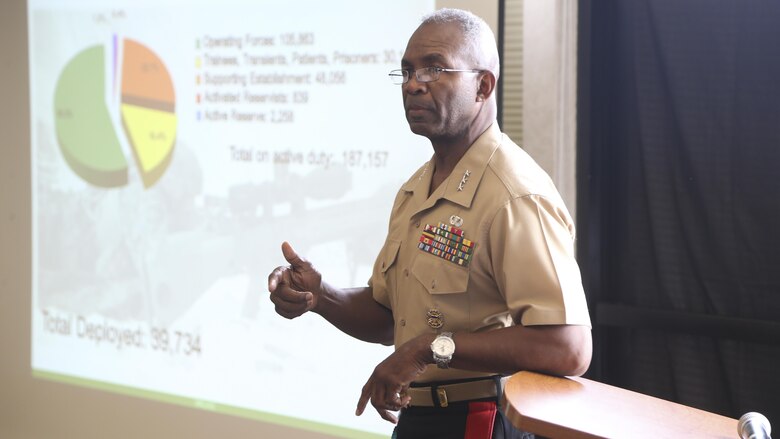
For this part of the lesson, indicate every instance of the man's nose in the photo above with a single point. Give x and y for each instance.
(413, 86)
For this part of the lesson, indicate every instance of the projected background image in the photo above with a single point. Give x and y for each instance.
(174, 149)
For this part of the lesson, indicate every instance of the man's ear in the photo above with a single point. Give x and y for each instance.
(486, 85)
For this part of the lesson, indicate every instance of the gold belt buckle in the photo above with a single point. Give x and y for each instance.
(442, 394)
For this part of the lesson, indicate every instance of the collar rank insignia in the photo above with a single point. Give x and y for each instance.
(463, 180)
(447, 242)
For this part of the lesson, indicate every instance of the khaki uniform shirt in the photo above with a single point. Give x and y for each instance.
(504, 254)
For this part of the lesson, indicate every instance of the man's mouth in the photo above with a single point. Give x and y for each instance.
(415, 109)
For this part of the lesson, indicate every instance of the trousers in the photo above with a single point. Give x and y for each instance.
(474, 419)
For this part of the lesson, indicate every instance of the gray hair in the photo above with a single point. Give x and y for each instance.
(471, 25)
(476, 34)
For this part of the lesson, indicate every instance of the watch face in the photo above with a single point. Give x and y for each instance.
(443, 346)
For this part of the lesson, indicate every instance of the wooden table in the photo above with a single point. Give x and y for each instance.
(581, 408)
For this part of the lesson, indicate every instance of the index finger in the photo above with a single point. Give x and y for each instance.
(285, 293)
(275, 278)
(364, 396)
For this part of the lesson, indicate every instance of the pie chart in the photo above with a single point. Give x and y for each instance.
(86, 133)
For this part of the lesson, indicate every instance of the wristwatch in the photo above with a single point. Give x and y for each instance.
(443, 346)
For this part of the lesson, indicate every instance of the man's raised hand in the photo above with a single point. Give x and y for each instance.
(294, 289)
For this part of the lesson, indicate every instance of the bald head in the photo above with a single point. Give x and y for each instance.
(479, 43)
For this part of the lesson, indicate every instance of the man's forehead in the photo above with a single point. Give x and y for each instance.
(426, 58)
(443, 32)
(435, 42)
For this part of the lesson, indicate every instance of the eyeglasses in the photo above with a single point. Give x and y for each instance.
(425, 74)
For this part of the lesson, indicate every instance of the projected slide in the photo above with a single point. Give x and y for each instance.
(173, 150)
(85, 131)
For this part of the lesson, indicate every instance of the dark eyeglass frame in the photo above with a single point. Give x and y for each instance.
(424, 74)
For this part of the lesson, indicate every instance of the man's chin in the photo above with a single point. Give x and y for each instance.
(419, 128)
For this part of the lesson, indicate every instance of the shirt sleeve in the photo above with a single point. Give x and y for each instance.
(532, 254)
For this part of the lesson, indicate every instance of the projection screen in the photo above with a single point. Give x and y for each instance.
(175, 145)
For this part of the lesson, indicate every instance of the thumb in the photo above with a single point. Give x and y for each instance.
(290, 255)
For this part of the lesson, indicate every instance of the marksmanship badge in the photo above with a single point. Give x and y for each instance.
(435, 318)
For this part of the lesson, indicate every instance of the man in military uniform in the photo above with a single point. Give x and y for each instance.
(477, 277)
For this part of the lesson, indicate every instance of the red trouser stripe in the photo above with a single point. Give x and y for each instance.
(479, 423)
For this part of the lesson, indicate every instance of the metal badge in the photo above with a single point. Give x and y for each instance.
(463, 180)
(456, 221)
(435, 318)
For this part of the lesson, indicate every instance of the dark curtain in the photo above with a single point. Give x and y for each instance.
(679, 188)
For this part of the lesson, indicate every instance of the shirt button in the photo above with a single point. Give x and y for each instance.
(433, 284)
(403, 322)
(406, 272)
(383, 265)
(417, 223)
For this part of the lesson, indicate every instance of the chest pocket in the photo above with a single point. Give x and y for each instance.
(384, 283)
(439, 276)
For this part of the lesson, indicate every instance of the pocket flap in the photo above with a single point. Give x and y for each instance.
(389, 255)
(439, 276)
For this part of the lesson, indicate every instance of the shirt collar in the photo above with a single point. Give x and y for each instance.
(462, 183)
